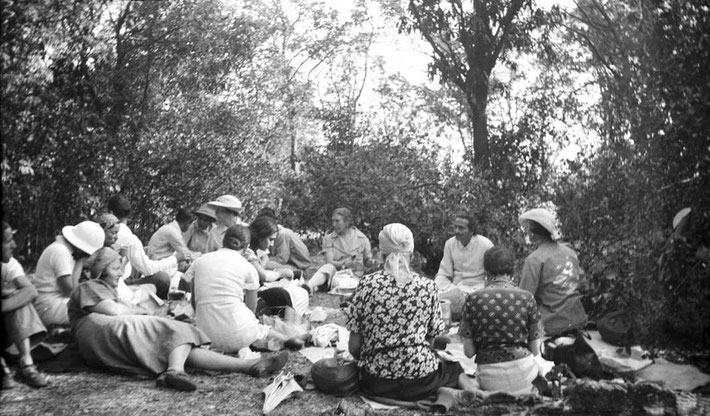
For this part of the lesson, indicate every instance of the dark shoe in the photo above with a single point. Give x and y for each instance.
(294, 343)
(307, 288)
(177, 380)
(30, 376)
(269, 365)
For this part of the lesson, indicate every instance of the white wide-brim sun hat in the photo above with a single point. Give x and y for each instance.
(227, 201)
(542, 217)
(87, 236)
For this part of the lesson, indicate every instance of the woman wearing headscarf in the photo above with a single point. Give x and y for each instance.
(346, 248)
(552, 274)
(500, 325)
(393, 318)
(119, 337)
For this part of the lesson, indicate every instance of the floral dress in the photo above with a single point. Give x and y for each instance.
(395, 322)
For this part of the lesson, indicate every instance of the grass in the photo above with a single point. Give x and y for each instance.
(93, 392)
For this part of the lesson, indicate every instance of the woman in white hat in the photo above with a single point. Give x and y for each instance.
(552, 274)
(197, 236)
(227, 209)
(59, 268)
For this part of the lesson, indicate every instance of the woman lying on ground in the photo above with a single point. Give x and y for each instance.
(346, 248)
(224, 291)
(393, 318)
(277, 286)
(121, 338)
(501, 326)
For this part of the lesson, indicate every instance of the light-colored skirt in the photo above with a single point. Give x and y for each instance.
(514, 377)
(230, 326)
(52, 309)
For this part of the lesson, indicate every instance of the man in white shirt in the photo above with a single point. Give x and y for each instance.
(461, 269)
(169, 238)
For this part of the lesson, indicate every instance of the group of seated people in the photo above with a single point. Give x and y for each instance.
(97, 274)
(395, 315)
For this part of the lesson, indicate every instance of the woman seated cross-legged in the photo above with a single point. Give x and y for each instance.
(119, 337)
(501, 325)
(393, 318)
(346, 248)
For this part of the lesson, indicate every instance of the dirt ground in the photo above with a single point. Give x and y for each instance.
(80, 390)
(91, 392)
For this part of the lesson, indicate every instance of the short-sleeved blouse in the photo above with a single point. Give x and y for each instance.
(500, 319)
(394, 322)
(88, 294)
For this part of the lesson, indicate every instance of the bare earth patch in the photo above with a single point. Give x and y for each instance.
(92, 392)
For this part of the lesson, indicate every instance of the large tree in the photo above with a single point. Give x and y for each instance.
(467, 39)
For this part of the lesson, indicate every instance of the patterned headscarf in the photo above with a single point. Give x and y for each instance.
(397, 244)
(100, 260)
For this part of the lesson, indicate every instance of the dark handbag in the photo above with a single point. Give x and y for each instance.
(579, 356)
(617, 328)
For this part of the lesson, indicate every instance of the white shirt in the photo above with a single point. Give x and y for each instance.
(55, 261)
(167, 240)
(10, 271)
(129, 245)
(463, 264)
(223, 277)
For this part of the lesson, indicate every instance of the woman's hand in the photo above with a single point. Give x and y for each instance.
(286, 273)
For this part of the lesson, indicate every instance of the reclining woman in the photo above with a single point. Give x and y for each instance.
(501, 326)
(224, 289)
(346, 248)
(277, 286)
(122, 338)
(393, 318)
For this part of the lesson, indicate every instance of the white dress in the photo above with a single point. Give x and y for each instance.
(220, 279)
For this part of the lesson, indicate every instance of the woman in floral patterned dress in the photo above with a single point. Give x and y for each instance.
(393, 318)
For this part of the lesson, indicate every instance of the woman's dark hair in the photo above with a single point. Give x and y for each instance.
(499, 260)
(236, 237)
(120, 206)
(537, 229)
(261, 228)
(268, 212)
(471, 220)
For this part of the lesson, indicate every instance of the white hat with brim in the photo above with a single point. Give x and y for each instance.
(228, 202)
(680, 216)
(207, 212)
(542, 217)
(87, 236)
